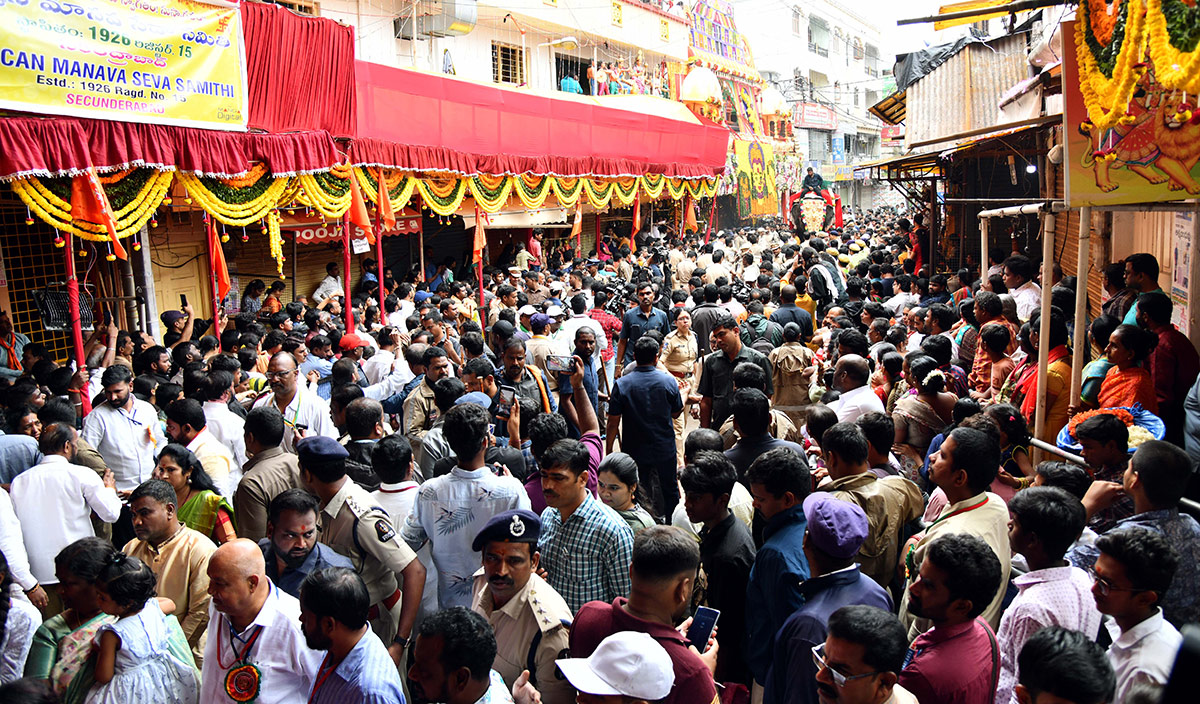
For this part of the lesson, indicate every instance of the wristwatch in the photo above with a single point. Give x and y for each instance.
(400, 640)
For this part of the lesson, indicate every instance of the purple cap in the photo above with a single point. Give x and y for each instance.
(539, 319)
(837, 528)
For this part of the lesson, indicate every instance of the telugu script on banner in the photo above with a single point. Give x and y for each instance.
(173, 62)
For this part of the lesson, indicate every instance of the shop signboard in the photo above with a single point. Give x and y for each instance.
(169, 62)
(308, 231)
(839, 149)
(814, 117)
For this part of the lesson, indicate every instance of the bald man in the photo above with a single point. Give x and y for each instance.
(253, 622)
(850, 377)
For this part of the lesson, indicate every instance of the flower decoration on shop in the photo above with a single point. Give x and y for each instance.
(327, 192)
(133, 193)
(237, 201)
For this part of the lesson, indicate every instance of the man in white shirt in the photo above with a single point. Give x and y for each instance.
(1134, 569)
(330, 286)
(253, 622)
(381, 364)
(124, 430)
(12, 544)
(226, 426)
(1018, 277)
(451, 509)
(850, 377)
(304, 413)
(54, 501)
(905, 297)
(579, 319)
(187, 426)
(392, 461)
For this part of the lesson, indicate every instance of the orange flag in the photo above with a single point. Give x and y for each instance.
(359, 215)
(90, 203)
(480, 236)
(689, 215)
(577, 227)
(385, 204)
(216, 257)
(637, 220)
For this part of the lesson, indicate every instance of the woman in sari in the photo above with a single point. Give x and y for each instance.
(62, 644)
(1095, 370)
(1128, 383)
(680, 358)
(921, 416)
(1056, 376)
(201, 508)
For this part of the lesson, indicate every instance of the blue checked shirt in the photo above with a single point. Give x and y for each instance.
(367, 675)
(587, 558)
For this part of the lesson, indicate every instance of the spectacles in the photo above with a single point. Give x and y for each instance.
(279, 375)
(839, 679)
(1107, 586)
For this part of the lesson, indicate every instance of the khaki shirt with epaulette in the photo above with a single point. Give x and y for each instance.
(535, 609)
(377, 552)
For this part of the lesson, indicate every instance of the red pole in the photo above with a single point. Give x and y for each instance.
(210, 230)
(76, 322)
(379, 263)
(346, 267)
(712, 217)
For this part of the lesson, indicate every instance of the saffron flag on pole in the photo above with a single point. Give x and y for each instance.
(216, 257)
(689, 215)
(480, 236)
(90, 203)
(385, 204)
(577, 228)
(359, 215)
(637, 223)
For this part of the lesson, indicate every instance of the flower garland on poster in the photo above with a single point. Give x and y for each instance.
(1174, 29)
(1109, 69)
(1116, 46)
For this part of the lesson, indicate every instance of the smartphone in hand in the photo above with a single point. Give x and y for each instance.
(703, 623)
(504, 404)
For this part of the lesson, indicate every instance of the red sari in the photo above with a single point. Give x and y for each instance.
(1127, 388)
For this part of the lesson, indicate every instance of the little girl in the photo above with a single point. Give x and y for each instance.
(1016, 468)
(134, 661)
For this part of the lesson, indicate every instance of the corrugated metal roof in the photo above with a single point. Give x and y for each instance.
(891, 109)
(963, 94)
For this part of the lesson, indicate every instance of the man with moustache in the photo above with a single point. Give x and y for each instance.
(861, 657)
(253, 623)
(291, 550)
(333, 616)
(530, 619)
(304, 412)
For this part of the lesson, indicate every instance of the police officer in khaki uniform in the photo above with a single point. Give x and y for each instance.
(532, 622)
(355, 526)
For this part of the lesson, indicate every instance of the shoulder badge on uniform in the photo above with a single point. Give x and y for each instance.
(384, 530)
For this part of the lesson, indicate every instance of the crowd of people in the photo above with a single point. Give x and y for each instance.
(771, 467)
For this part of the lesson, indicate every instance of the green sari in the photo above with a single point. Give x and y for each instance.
(200, 511)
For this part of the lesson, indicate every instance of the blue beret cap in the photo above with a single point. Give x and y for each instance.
(318, 449)
(515, 526)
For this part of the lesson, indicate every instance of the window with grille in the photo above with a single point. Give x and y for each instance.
(818, 36)
(508, 64)
(855, 97)
(32, 262)
(797, 22)
(303, 7)
(872, 57)
(858, 49)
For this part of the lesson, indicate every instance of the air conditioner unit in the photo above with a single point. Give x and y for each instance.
(447, 18)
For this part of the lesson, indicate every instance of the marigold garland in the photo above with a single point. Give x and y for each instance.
(1109, 71)
(676, 187)
(532, 190)
(131, 210)
(442, 196)
(490, 192)
(400, 186)
(235, 206)
(566, 190)
(1174, 40)
(327, 194)
(275, 240)
(598, 192)
(653, 184)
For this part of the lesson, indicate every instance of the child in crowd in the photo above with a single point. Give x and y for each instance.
(135, 661)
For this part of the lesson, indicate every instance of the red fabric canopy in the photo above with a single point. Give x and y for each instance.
(61, 146)
(428, 122)
(300, 71)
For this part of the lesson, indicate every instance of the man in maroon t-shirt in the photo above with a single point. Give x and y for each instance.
(663, 572)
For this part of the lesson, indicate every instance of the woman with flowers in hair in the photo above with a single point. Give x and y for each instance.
(923, 414)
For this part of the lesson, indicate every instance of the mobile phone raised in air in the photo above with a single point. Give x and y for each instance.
(183, 300)
(505, 402)
(703, 623)
(560, 363)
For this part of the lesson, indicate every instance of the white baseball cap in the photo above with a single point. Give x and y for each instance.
(628, 663)
(526, 310)
(555, 311)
